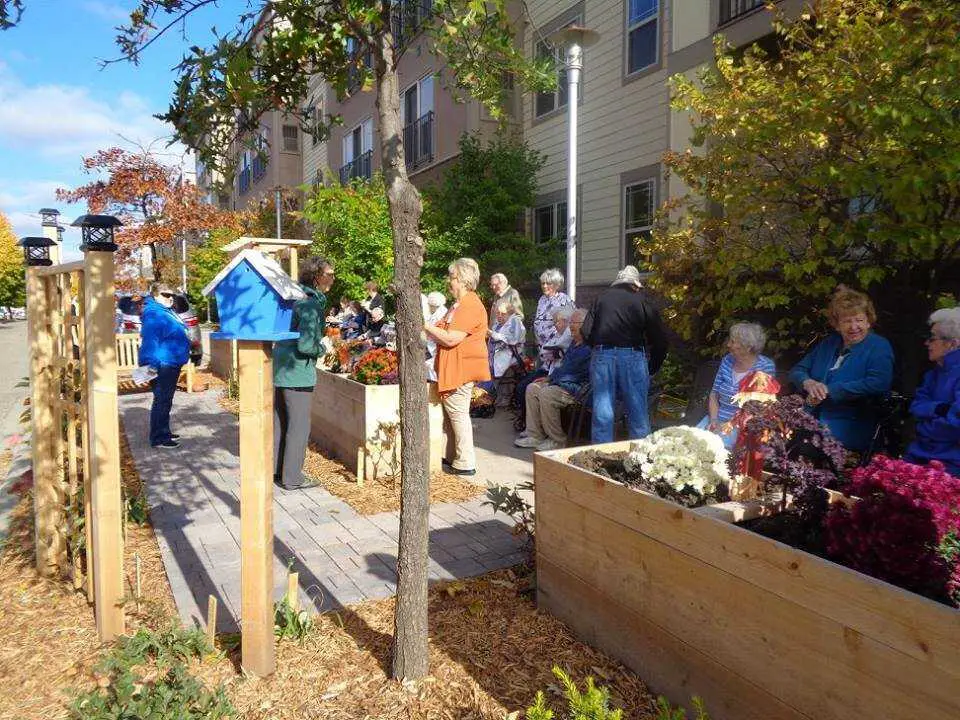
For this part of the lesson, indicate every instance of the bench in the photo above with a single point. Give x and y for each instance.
(128, 360)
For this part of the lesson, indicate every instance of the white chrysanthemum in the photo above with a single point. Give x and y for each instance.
(680, 456)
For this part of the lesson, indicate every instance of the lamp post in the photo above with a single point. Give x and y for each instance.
(48, 220)
(36, 251)
(97, 232)
(574, 38)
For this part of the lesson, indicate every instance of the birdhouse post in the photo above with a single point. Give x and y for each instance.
(255, 299)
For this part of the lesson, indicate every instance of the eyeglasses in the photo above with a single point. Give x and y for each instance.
(166, 295)
(935, 338)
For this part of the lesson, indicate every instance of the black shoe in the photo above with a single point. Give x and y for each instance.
(450, 469)
(174, 436)
(167, 444)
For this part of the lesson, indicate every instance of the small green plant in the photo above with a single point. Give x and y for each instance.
(510, 502)
(666, 711)
(145, 676)
(591, 704)
(137, 511)
(290, 623)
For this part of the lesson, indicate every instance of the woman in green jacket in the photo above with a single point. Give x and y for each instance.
(295, 374)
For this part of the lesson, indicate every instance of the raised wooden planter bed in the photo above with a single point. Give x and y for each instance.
(759, 630)
(349, 420)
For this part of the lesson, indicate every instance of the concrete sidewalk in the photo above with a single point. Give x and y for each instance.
(342, 557)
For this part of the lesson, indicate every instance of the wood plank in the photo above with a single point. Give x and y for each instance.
(256, 506)
(46, 500)
(103, 435)
(914, 625)
(811, 662)
(61, 269)
(667, 665)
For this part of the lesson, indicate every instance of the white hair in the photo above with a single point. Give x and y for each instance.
(503, 306)
(552, 277)
(751, 335)
(467, 271)
(501, 277)
(563, 313)
(578, 315)
(947, 321)
(436, 299)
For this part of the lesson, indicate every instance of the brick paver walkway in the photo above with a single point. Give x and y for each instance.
(342, 557)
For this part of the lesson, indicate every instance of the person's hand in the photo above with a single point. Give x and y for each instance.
(816, 391)
(713, 425)
(542, 380)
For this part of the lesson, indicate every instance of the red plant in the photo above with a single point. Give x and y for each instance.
(904, 529)
(377, 367)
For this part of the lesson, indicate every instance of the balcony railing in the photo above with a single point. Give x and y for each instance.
(243, 181)
(732, 9)
(259, 167)
(418, 142)
(360, 167)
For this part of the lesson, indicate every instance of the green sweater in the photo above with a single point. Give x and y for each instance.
(295, 361)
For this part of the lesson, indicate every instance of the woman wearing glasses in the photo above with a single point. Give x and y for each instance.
(936, 405)
(295, 374)
(847, 370)
(164, 346)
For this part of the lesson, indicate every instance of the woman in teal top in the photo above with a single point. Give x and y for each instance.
(845, 373)
(295, 374)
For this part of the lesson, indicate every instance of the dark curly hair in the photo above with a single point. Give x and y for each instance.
(311, 269)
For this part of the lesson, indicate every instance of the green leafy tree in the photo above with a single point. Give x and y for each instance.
(352, 229)
(834, 153)
(266, 64)
(12, 277)
(10, 12)
(479, 206)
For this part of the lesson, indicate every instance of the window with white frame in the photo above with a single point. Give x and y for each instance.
(643, 34)
(550, 222)
(418, 123)
(639, 202)
(357, 147)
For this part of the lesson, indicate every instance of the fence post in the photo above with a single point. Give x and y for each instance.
(256, 506)
(47, 502)
(103, 432)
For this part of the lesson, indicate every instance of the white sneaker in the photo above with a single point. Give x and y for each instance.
(527, 442)
(549, 444)
(525, 433)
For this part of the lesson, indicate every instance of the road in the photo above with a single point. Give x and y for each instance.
(14, 373)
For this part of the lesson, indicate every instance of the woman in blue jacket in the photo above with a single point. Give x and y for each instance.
(846, 372)
(936, 405)
(164, 346)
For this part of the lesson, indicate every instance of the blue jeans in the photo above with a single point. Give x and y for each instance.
(164, 387)
(619, 373)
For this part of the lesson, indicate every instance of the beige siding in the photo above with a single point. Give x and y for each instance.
(315, 153)
(624, 126)
(690, 22)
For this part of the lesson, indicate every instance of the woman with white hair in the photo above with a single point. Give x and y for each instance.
(544, 323)
(461, 360)
(936, 406)
(506, 338)
(745, 342)
(436, 309)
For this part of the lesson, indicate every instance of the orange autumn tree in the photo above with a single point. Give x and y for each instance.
(157, 207)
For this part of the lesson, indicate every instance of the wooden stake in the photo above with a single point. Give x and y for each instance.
(293, 591)
(45, 497)
(211, 618)
(256, 506)
(104, 433)
(361, 469)
(294, 264)
(85, 430)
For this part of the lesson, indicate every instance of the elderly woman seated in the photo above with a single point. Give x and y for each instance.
(552, 351)
(744, 345)
(545, 399)
(846, 372)
(544, 324)
(506, 338)
(435, 312)
(936, 405)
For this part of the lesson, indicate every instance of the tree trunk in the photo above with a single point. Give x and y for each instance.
(410, 652)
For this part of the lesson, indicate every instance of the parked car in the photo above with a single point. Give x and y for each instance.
(130, 307)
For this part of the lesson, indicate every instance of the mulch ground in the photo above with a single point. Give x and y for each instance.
(490, 650)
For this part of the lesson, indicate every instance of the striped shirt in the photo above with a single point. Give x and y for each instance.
(727, 383)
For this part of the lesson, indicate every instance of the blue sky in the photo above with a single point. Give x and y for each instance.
(57, 105)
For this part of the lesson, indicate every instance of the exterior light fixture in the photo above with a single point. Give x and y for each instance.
(36, 251)
(97, 232)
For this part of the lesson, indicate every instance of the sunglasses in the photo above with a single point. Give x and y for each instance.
(166, 295)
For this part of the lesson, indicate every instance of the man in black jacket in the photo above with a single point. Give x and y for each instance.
(629, 345)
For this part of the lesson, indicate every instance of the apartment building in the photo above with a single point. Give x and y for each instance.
(433, 120)
(625, 121)
(314, 156)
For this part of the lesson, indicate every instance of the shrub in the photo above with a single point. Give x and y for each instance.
(591, 704)
(904, 529)
(377, 367)
(686, 460)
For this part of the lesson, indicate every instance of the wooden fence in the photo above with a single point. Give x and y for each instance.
(76, 450)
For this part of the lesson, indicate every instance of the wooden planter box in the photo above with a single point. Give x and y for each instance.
(759, 630)
(349, 421)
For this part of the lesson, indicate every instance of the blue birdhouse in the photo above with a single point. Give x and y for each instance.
(255, 299)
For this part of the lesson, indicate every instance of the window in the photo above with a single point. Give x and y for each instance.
(643, 34)
(547, 102)
(357, 146)
(550, 223)
(243, 178)
(408, 16)
(418, 119)
(639, 200)
(316, 121)
(354, 74)
(730, 9)
(260, 156)
(291, 138)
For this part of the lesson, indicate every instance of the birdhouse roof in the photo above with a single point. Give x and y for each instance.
(267, 268)
(273, 244)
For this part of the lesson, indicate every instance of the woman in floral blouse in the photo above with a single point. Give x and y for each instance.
(544, 327)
